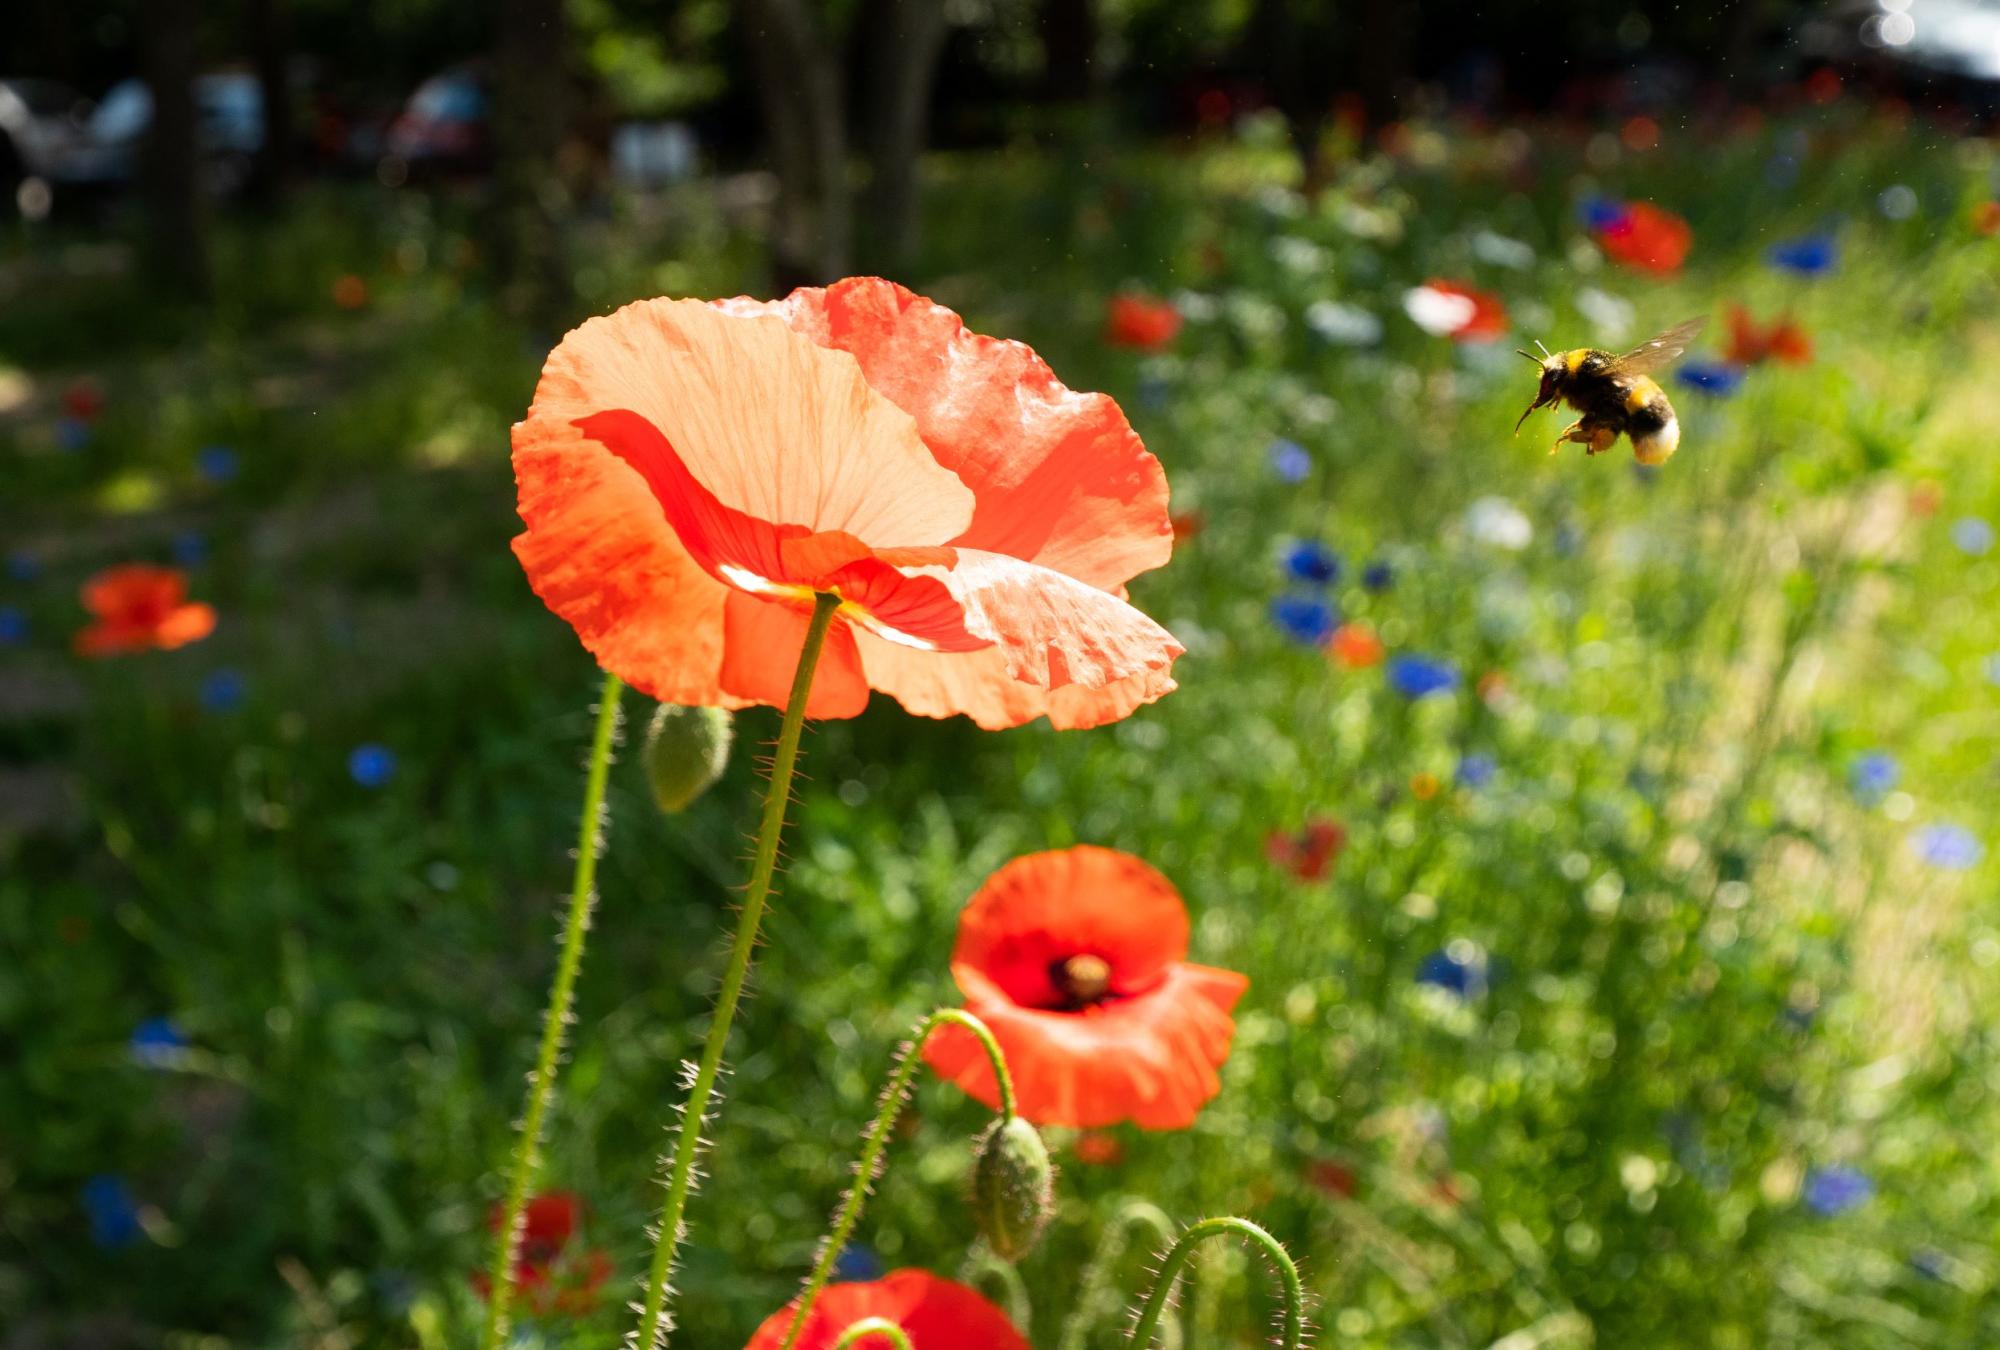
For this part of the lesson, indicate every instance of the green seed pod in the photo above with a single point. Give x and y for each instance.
(686, 751)
(1013, 1188)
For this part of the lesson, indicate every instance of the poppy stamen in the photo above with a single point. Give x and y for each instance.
(1083, 979)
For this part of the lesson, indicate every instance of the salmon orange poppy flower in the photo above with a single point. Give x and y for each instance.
(1075, 959)
(935, 1313)
(1751, 342)
(1140, 322)
(138, 607)
(691, 475)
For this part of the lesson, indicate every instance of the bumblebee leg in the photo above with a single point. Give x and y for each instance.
(1598, 438)
(1573, 432)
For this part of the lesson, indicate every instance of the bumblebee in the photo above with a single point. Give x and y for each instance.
(1616, 394)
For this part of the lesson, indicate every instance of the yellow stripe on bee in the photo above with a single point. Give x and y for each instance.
(1642, 392)
(1573, 359)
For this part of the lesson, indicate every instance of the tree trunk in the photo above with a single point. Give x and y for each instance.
(1069, 50)
(796, 68)
(1280, 43)
(530, 119)
(271, 48)
(177, 237)
(904, 41)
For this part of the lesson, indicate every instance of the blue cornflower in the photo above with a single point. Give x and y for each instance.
(1476, 770)
(190, 548)
(1378, 576)
(72, 433)
(1809, 255)
(1458, 972)
(114, 1215)
(1154, 392)
(1837, 1189)
(1419, 676)
(1601, 213)
(371, 765)
(156, 1041)
(223, 690)
(23, 565)
(857, 1261)
(1972, 535)
(216, 463)
(1311, 561)
(1952, 847)
(1307, 619)
(1874, 774)
(1567, 539)
(13, 626)
(1717, 378)
(1291, 461)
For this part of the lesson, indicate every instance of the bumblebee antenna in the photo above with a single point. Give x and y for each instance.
(1545, 351)
(1530, 355)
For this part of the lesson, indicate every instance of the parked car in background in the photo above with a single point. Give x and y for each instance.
(41, 130)
(445, 127)
(229, 131)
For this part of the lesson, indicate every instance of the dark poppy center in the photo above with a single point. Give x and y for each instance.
(1082, 980)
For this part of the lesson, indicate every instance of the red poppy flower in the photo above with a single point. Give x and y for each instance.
(83, 400)
(1140, 322)
(691, 474)
(1189, 525)
(936, 1314)
(1986, 218)
(1461, 313)
(1098, 1148)
(1075, 959)
(550, 1281)
(1751, 342)
(1309, 854)
(1335, 1178)
(1356, 646)
(139, 607)
(1642, 235)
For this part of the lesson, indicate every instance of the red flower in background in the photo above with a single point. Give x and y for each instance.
(1335, 1178)
(1459, 312)
(83, 399)
(139, 607)
(1098, 1148)
(549, 1282)
(1309, 854)
(1140, 322)
(691, 475)
(1076, 959)
(936, 1314)
(1644, 236)
(1751, 342)
(1356, 646)
(1986, 218)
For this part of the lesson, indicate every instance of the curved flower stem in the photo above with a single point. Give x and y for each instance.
(981, 1265)
(894, 1093)
(1093, 1295)
(555, 1019)
(1182, 1251)
(764, 863)
(873, 1326)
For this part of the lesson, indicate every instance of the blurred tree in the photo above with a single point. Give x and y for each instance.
(530, 119)
(176, 238)
(797, 70)
(900, 56)
(270, 43)
(1069, 50)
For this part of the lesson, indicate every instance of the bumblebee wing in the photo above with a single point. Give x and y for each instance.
(1660, 352)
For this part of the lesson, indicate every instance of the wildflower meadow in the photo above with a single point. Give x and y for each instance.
(1093, 789)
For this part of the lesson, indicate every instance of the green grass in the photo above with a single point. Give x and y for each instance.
(1714, 967)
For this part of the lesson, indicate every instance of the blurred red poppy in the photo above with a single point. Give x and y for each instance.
(1075, 959)
(83, 399)
(1335, 1178)
(1355, 646)
(691, 475)
(936, 1314)
(1642, 235)
(550, 1281)
(1986, 218)
(1459, 312)
(1140, 322)
(139, 607)
(1098, 1148)
(1309, 854)
(1751, 342)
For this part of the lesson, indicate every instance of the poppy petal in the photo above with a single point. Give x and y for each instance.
(978, 685)
(936, 1314)
(762, 642)
(1060, 476)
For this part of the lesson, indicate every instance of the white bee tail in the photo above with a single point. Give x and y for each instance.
(1659, 447)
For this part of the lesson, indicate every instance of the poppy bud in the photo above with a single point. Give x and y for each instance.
(1013, 1188)
(686, 751)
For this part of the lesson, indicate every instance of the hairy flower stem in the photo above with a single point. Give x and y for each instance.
(1182, 1252)
(1094, 1297)
(764, 863)
(555, 1018)
(873, 1326)
(894, 1093)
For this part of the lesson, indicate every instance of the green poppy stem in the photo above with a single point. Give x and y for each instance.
(555, 1018)
(894, 1093)
(680, 1175)
(1182, 1252)
(873, 1326)
(1094, 1297)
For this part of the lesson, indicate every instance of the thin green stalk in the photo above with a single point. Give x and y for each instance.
(555, 1018)
(680, 1176)
(1182, 1252)
(1093, 1295)
(873, 1326)
(894, 1093)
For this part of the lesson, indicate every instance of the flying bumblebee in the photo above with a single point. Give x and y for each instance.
(1616, 394)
